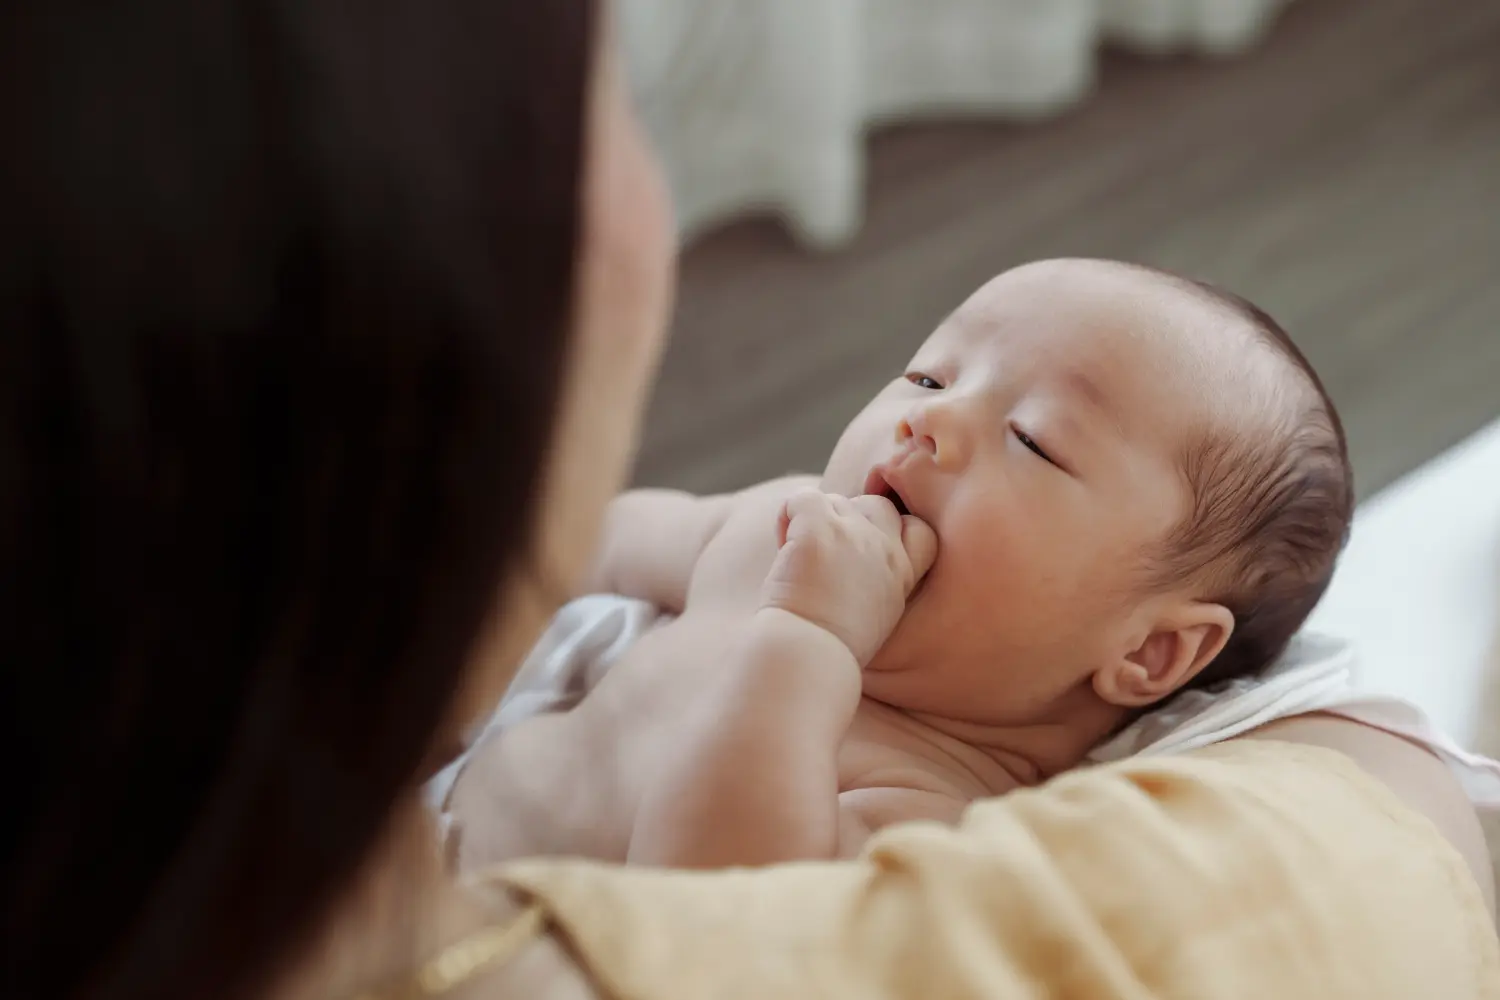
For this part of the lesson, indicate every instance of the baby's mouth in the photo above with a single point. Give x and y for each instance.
(875, 485)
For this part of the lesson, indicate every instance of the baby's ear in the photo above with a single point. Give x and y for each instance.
(1171, 655)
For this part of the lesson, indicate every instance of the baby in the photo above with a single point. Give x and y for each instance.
(1095, 484)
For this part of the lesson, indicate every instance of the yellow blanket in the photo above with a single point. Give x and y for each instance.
(1249, 870)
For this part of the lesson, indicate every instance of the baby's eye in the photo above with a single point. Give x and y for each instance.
(1031, 445)
(923, 381)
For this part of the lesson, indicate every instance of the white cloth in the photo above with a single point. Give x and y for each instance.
(578, 647)
(1316, 674)
(1419, 587)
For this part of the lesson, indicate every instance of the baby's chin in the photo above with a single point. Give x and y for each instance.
(880, 664)
(878, 686)
(911, 688)
(910, 646)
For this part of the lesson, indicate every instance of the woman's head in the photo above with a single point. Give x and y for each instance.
(293, 300)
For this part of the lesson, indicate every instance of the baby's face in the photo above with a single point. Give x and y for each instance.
(1040, 431)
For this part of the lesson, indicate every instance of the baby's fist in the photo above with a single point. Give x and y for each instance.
(848, 565)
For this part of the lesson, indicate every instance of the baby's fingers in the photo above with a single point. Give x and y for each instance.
(921, 545)
(807, 505)
(878, 511)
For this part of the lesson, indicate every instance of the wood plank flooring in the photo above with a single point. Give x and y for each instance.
(1346, 176)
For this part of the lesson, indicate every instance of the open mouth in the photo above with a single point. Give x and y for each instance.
(877, 486)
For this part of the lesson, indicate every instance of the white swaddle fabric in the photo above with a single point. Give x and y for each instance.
(1316, 674)
(581, 643)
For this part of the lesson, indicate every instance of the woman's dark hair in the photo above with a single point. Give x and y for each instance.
(284, 299)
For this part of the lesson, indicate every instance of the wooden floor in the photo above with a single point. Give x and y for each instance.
(1346, 176)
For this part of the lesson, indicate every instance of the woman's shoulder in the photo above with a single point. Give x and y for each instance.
(1422, 781)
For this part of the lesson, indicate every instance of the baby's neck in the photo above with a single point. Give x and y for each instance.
(1009, 755)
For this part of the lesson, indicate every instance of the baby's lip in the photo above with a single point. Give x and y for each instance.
(885, 481)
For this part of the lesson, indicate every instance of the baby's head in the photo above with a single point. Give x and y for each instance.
(1136, 480)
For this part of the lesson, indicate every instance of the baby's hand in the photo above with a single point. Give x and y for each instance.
(848, 566)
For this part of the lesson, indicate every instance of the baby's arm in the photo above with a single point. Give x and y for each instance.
(758, 784)
(652, 540)
(757, 779)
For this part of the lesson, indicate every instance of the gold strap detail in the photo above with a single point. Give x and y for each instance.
(463, 960)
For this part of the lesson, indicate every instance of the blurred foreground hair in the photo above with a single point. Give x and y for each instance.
(268, 271)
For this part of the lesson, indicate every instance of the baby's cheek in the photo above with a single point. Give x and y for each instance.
(858, 451)
(992, 538)
(1017, 563)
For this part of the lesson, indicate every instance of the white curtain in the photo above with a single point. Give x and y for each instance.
(762, 105)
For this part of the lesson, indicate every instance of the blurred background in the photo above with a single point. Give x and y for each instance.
(848, 172)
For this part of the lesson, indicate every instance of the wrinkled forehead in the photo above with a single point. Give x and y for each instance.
(1142, 345)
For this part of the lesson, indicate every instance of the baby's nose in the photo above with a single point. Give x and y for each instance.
(935, 433)
(905, 431)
